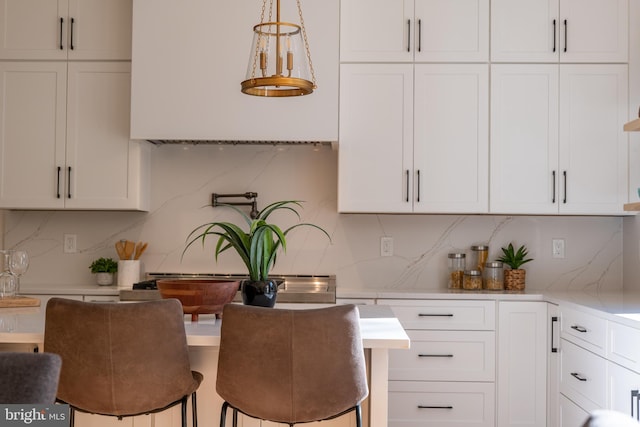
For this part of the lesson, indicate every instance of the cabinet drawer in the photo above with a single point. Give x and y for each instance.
(444, 314)
(583, 376)
(584, 329)
(622, 384)
(571, 415)
(445, 356)
(431, 404)
(624, 345)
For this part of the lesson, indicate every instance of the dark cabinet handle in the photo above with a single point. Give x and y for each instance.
(434, 315)
(407, 195)
(554, 320)
(565, 35)
(564, 175)
(635, 395)
(435, 407)
(58, 183)
(553, 175)
(579, 328)
(435, 355)
(554, 35)
(408, 35)
(418, 185)
(61, 34)
(419, 35)
(72, 22)
(578, 376)
(69, 184)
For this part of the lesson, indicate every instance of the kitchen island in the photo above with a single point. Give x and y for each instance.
(381, 331)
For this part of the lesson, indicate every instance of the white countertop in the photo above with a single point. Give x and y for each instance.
(379, 327)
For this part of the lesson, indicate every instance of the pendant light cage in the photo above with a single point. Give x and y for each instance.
(280, 61)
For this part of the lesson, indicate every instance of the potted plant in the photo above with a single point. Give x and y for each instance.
(515, 277)
(104, 268)
(257, 247)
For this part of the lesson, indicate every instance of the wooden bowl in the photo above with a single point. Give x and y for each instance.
(199, 296)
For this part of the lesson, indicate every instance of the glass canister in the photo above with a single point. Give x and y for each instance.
(472, 280)
(480, 255)
(494, 276)
(456, 270)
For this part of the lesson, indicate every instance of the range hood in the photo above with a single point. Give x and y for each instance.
(236, 142)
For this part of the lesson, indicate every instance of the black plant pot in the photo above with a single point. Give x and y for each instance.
(262, 293)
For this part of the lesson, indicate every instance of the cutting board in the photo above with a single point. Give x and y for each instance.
(19, 301)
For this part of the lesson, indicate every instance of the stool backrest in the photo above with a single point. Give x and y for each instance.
(119, 359)
(291, 366)
(29, 377)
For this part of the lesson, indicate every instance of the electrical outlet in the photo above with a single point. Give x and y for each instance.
(69, 243)
(557, 250)
(386, 246)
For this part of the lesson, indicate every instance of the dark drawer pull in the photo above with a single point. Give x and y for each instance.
(578, 377)
(435, 355)
(434, 315)
(435, 407)
(579, 328)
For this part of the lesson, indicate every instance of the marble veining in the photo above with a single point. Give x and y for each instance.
(183, 179)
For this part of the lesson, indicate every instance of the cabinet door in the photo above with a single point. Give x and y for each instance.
(594, 30)
(376, 138)
(451, 146)
(452, 30)
(101, 170)
(33, 30)
(593, 146)
(522, 365)
(101, 29)
(377, 30)
(32, 138)
(553, 366)
(524, 30)
(571, 415)
(622, 383)
(524, 139)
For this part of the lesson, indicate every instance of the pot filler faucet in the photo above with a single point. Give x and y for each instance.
(249, 196)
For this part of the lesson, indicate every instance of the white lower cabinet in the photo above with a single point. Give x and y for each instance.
(434, 404)
(447, 377)
(571, 415)
(522, 363)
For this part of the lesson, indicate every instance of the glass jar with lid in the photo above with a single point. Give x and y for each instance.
(480, 255)
(456, 270)
(494, 276)
(472, 280)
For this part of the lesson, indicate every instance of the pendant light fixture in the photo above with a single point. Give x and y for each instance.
(280, 62)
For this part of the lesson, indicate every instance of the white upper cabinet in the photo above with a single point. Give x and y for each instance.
(557, 144)
(188, 62)
(79, 156)
(413, 147)
(414, 30)
(559, 30)
(65, 29)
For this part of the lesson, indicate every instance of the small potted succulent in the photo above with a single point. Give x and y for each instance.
(104, 269)
(515, 277)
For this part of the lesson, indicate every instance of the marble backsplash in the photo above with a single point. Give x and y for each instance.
(183, 179)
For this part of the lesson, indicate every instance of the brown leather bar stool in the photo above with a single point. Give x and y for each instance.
(291, 366)
(121, 359)
(29, 377)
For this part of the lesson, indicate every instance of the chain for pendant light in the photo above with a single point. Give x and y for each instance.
(306, 45)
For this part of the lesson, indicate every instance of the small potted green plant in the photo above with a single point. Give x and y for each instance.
(104, 269)
(514, 278)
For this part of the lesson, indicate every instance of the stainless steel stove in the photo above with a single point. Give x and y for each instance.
(294, 288)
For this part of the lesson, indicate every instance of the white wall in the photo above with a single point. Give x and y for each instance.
(184, 178)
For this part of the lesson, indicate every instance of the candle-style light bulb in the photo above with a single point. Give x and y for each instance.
(289, 56)
(263, 57)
